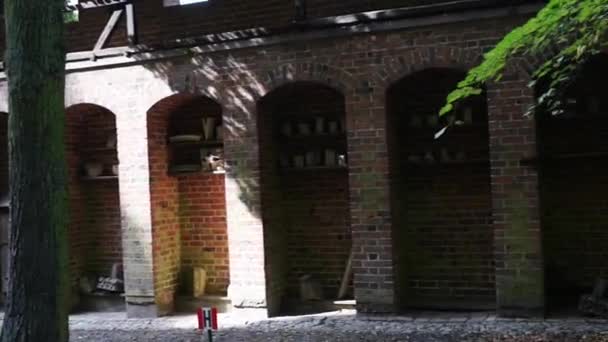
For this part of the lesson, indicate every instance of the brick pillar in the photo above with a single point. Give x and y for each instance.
(243, 211)
(370, 203)
(136, 214)
(515, 193)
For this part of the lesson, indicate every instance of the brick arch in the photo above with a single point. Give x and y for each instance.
(324, 74)
(107, 104)
(420, 59)
(169, 203)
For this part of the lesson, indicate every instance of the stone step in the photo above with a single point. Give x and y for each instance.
(296, 306)
(102, 303)
(191, 304)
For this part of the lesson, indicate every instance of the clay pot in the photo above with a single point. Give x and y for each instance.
(93, 169)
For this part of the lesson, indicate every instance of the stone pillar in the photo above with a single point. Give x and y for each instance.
(243, 211)
(134, 184)
(370, 202)
(515, 194)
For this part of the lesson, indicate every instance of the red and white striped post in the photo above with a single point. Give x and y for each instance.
(207, 321)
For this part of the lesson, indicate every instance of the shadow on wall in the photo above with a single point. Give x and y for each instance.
(573, 185)
(441, 198)
(237, 87)
(236, 92)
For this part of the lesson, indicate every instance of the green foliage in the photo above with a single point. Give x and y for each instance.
(565, 32)
(70, 16)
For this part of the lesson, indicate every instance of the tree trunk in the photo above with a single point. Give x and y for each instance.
(35, 62)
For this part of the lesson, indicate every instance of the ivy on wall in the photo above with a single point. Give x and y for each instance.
(565, 34)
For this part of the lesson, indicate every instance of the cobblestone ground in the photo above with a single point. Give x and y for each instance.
(342, 326)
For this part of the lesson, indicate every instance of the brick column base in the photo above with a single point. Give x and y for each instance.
(141, 307)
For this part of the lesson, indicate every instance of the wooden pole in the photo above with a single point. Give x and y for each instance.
(346, 277)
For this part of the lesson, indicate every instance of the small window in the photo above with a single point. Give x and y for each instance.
(168, 3)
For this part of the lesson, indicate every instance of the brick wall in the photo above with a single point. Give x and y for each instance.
(202, 204)
(94, 228)
(308, 209)
(275, 234)
(520, 288)
(188, 210)
(202, 215)
(573, 187)
(164, 203)
(441, 194)
(362, 67)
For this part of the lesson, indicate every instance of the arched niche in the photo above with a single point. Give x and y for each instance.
(440, 195)
(305, 196)
(187, 198)
(573, 156)
(94, 228)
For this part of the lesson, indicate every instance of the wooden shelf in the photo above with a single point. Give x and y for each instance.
(202, 143)
(177, 173)
(99, 178)
(315, 168)
(566, 156)
(424, 164)
(99, 149)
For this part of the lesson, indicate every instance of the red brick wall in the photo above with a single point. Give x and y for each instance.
(202, 215)
(164, 202)
(188, 210)
(95, 230)
(573, 188)
(202, 203)
(441, 203)
(308, 208)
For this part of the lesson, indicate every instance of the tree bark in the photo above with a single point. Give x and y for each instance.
(35, 62)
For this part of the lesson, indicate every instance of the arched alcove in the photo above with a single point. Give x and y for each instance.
(188, 199)
(440, 195)
(573, 155)
(95, 223)
(304, 190)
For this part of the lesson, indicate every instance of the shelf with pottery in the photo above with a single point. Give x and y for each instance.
(195, 153)
(438, 157)
(101, 162)
(312, 144)
(431, 125)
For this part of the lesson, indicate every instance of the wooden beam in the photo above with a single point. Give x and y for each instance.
(105, 34)
(90, 4)
(131, 32)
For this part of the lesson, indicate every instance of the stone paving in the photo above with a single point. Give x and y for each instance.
(341, 326)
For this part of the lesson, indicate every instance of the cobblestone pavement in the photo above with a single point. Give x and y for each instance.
(343, 326)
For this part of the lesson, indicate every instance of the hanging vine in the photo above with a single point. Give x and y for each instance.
(565, 32)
